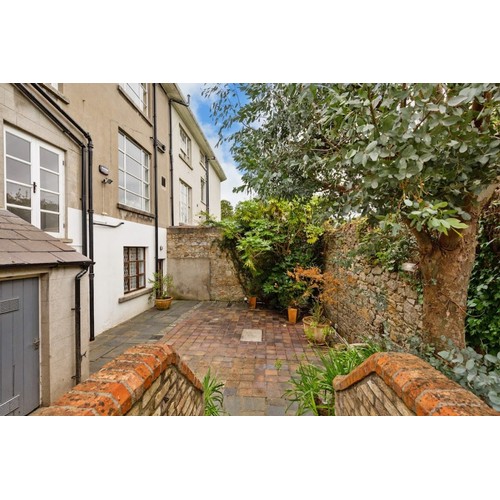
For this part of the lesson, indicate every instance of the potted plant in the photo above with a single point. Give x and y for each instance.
(160, 290)
(319, 288)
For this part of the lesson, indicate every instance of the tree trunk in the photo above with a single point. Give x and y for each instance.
(446, 266)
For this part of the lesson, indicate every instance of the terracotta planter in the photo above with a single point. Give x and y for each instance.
(163, 304)
(315, 333)
(252, 302)
(292, 314)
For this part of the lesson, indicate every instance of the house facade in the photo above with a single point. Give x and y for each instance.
(106, 169)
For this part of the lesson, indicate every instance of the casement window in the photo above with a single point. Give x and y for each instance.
(203, 186)
(185, 145)
(134, 268)
(133, 174)
(138, 94)
(202, 160)
(185, 204)
(34, 181)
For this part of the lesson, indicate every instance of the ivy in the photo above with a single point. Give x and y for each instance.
(483, 318)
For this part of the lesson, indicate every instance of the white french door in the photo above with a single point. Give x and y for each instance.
(34, 181)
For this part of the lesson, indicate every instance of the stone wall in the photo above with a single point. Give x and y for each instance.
(146, 380)
(396, 384)
(369, 300)
(201, 271)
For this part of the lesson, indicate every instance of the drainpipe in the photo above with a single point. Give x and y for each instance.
(78, 326)
(207, 167)
(155, 166)
(91, 242)
(171, 156)
(90, 148)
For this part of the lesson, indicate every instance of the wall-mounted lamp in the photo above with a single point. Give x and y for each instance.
(103, 169)
(107, 181)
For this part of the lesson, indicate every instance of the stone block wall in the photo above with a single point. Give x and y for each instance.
(146, 380)
(369, 299)
(200, 270)
(397, 384)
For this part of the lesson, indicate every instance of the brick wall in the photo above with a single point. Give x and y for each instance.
(369, 300)
(402, 384)
(201, 271)
(146, 380)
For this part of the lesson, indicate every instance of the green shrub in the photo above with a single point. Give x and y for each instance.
(312, 388)
(213, 395)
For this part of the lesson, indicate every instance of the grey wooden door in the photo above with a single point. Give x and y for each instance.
(19, 347)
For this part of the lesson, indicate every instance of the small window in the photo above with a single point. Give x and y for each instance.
(185, 145)
(138, 94)
(185, 204)
(134, 268)
(203, 186)
(203, 160)
(133, 173)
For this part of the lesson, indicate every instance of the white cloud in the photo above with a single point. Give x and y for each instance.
(222, 151)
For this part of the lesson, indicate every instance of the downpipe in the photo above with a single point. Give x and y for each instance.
(78, 326)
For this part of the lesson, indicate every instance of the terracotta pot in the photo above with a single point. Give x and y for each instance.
(163, 304)
(316, 333)
(252, 302)
(292, 314)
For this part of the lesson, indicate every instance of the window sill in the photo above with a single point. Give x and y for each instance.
(135, 211)
(186, 160)
(134, 105)
(134, 295)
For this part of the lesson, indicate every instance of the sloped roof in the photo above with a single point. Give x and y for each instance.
(22, 244)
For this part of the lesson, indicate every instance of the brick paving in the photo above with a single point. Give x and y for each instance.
(208, 335)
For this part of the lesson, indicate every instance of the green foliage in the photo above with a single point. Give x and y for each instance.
(267, 239)
(477, 372)
(161, 286)
(312, 388)
(213, 395)
(388, 245)
(434, 217)
(365, 147)
(483, 303)
(226, 209)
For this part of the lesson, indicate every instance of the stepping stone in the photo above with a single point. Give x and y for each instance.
(249, 335)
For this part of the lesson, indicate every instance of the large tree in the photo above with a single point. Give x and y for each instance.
(426, 153)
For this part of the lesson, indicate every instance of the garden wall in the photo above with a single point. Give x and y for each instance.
(200, 270)
(396, 384)
(146, 380)
(369, 300)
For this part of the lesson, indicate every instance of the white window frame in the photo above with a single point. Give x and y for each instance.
(139, 96)
(185, 144)
(202, 160)
(203, 187)
(35, 176)
(145, 194)
(185, 201)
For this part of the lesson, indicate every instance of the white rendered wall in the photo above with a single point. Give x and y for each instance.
(108, 268)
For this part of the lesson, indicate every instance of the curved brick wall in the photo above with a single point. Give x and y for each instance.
(148, 379)
(402, 384)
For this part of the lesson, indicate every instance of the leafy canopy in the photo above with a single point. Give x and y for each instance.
(425, 151)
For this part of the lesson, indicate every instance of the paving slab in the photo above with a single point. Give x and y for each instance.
(208, 335)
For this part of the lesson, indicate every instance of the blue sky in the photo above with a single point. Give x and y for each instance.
(201, 109)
